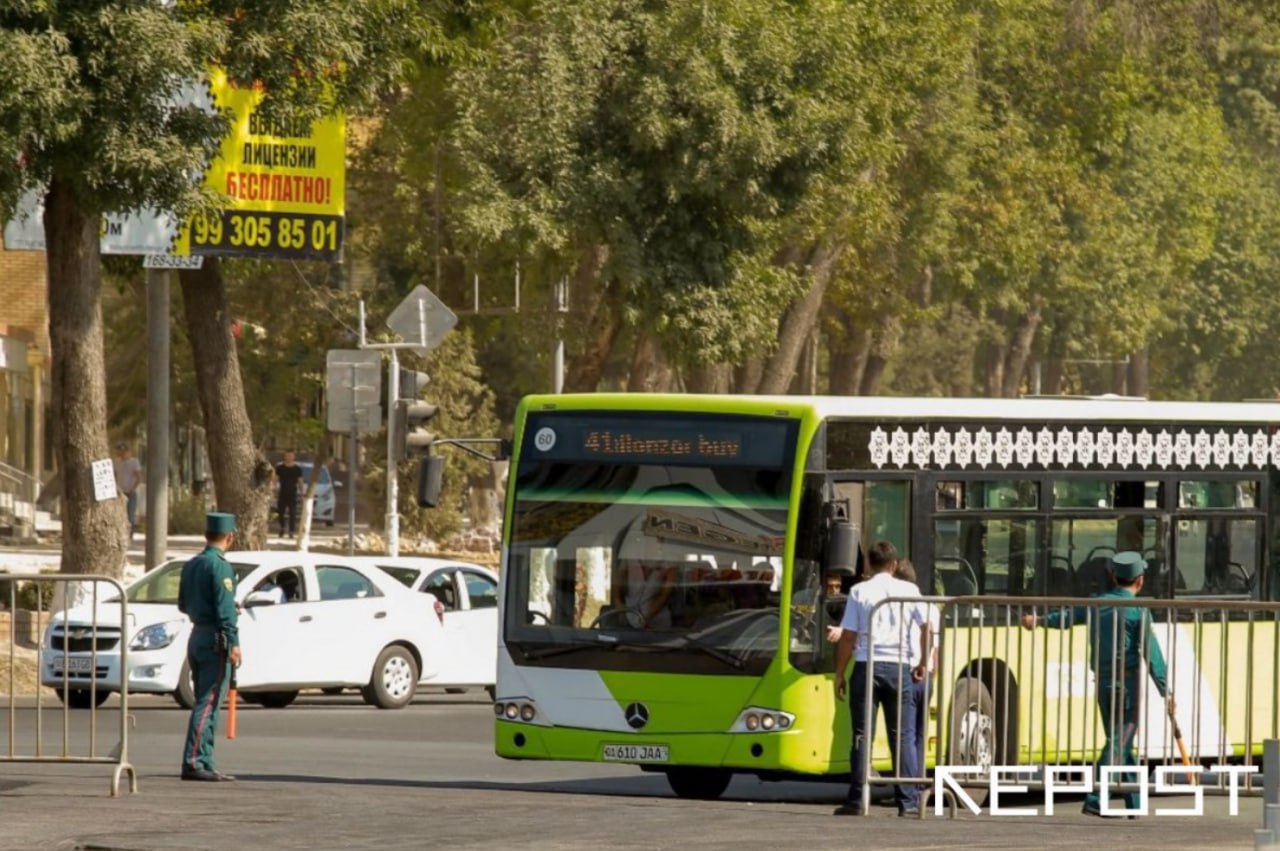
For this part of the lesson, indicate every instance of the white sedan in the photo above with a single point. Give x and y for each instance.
(308, 620)
(468, 598)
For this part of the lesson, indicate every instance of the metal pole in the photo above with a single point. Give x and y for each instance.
(562, 307)
(351, 468)
(393, 477)
(558, 368)
(157, 460)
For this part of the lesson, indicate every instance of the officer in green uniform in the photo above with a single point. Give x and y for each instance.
(1119, 638)
(207, 595)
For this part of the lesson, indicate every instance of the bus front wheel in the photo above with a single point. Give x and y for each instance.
(974, 726)
(704, 784)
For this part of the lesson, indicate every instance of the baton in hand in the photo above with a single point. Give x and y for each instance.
(1182, 747)
(231, 706)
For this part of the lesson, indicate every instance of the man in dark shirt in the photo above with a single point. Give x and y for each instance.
(289, 477)
(1120, 639)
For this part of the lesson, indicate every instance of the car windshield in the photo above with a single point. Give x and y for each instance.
(676, 563)
(161, 584)
(406, 576)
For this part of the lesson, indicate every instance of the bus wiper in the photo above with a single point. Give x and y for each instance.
(600, 638)
(604, 640)
(710, 649)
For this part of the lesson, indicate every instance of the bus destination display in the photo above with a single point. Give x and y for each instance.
(604, 441)
(649, 439)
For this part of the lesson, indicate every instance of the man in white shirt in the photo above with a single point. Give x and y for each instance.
(924, 687)
(881, 637)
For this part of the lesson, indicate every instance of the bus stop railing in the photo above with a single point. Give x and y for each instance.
(77, 720)
(1035, 693)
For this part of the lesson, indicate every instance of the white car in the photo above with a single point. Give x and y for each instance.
(468, 596)
(308, 620)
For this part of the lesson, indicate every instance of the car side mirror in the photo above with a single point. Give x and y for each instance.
(261, 598)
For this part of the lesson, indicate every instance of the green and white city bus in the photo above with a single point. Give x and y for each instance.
(663, 555)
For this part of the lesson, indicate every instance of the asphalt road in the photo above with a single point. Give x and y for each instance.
(334, 773)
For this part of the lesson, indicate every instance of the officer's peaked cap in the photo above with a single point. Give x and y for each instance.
(219, 523)
(1128, 566)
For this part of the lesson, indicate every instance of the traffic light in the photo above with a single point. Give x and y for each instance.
(412, 383)
(408, 436)
(430, 481)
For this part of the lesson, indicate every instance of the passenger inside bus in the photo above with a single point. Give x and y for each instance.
(643, 584)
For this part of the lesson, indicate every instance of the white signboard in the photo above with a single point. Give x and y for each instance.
(104, 480)
(172, 261)
(125, 233)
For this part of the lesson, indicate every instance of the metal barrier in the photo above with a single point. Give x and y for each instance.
(1028, 682)
(55, 641)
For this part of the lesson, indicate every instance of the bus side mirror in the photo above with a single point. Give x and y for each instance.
(842, 547)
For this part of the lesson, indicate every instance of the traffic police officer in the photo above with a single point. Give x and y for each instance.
(1119, 638)
(206, 594)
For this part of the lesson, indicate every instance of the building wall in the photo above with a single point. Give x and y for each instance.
(24, 336)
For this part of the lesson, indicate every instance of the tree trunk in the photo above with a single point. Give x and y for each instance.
(1119, 378)
(94, 534)
(806, 380)
(1052, 384)
(592, 314)
(849, 353)
(993, 368)
(241, 475)
(883, 345)
(650, 372)
(1139, 372)
(798, 319)
(746, 377)
(1019, 352)
(708, 378)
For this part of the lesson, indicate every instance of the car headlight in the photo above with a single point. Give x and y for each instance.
(156, 636)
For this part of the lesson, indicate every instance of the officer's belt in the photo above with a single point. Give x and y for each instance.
(215, 627)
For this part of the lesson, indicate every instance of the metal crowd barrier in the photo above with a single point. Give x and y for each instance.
(1003, 694)
(63, 641)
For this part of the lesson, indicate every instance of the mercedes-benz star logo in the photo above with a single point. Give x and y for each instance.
(637, 715)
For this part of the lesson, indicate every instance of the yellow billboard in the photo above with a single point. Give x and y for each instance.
(282, 184)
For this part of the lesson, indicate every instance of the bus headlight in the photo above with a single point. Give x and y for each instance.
(757, 719)
(520, 709)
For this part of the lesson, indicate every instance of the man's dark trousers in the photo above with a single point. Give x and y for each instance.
(211, 671)
(1119, 709)
(287, 506)
(892, 690)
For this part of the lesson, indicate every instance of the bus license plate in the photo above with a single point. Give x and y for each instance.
(636, 753)
(76, 664)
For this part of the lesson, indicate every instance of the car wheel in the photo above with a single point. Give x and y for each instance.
(703, 784)
(82, 698)
(275, 699)
(395, 678)
(185, 694)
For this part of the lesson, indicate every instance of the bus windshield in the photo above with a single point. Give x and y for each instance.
(649, 543)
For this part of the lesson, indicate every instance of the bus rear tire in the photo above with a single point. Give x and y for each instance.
(702, 784)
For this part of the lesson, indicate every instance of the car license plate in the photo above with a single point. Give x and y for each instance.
(74, 664)
(636, 753)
